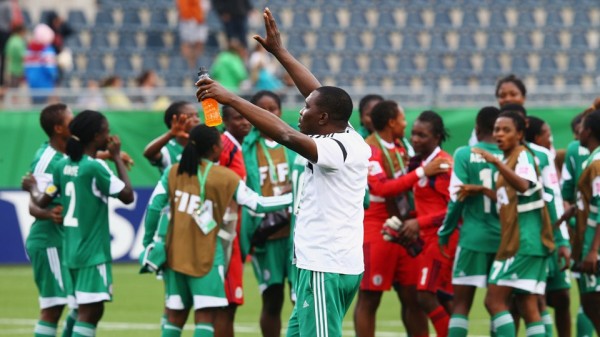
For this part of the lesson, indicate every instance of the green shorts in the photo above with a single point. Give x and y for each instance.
(92, 284)
(521, 272)
(589, 283)
(471, 268)
(323, 300)
(271, 263)
(50, 276)
(557, 279)
(208, 291)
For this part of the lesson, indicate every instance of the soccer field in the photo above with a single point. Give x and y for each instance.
(138, 303)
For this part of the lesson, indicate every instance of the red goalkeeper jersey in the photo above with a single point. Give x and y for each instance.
(431, 197)
(231, 156)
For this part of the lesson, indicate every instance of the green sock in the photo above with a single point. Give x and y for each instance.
(163, 321)
(204, 330)
(82, 329)
(459, 326)
(585, 328)
(69, 323)
(535, 329)
(44, 329)
(170, 330)
(548, 324)
(503, 324)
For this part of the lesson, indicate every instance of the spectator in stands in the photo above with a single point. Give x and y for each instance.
(263, 70)
(41, 71)
(229, 68)
(193, 30)
(62, 30)
(113, 93)
(147, 83)
(5, 20)
(15, 51)
(234, 17)
(93, 99)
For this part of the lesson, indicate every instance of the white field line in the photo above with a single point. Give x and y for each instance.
(240, 328)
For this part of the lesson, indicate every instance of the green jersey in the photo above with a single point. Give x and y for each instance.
(593, 216)
(45, 233)
(572, 168)
(170, 154)
(480, 229)
(84, 188)
(551, 191)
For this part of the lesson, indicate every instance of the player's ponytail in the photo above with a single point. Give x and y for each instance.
(200, 145)
(84, 128)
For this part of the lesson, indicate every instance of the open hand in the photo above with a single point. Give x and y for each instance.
(590, 263)
(564, 254)
(490, 158)
(114, 146)
(127, 160)
(468, 190)
(437, 166)
(28, 182)
(272, 41)
(180, 124)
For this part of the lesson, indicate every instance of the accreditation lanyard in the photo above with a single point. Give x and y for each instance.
(387, 156)
(272, 170)
(202, 179)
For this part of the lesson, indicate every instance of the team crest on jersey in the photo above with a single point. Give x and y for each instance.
(423, 181)
(375, 168)
(377, 280)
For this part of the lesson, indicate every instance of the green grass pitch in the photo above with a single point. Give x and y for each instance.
(138, 303)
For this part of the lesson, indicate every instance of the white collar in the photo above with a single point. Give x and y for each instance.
(233, 140)
(431, 156)
(390, 146)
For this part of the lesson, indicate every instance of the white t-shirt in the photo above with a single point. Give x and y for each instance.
(329, 229)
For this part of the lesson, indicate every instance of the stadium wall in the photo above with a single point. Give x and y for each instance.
(21, 135)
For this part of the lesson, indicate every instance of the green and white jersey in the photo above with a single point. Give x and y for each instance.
(593, 217)
(84, 188)
(529, 207)
(297, 174)
(480, 229)
(552, 196)
(45, 233)
(572, 168)
(170, 154)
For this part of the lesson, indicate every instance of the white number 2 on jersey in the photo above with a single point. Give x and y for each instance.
(70, 220)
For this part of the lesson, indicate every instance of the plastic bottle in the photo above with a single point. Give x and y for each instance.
(212, 117)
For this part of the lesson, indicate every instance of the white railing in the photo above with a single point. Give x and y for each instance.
(426, 97)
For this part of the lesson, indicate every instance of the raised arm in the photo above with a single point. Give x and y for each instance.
(518, 183)
(269, 124)
(178, 126)
(305, 81)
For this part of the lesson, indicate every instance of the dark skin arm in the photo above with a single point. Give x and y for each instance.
(518, 183)
(178, 127)
(114, 148)
(467, 190)
(302, 77)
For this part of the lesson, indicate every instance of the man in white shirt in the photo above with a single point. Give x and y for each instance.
(329, 232)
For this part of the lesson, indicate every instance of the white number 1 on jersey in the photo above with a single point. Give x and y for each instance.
(70, 220)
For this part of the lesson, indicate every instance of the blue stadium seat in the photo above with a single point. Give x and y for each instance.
(578, 40)
(358, 18)
(349, 64)
(295, 41)
(158, 18)
(76, 18)
(572, 79)
(95, 64)
(382, 42)
(373, 79)
(301, 20)
(470, 19)
(177, 64)
(123, 65)
(523, 41)
(576, 63)
(438, 42)
(435, 64)
(329, 19)
(495, 41)
(26, 17)
(442, 19)
(548, 64)
(519, 64)
(545, 79)
(150, 61)
(320, 66)
(463, 64)
(581, 18)
(353, 42)
(99, 40)
(325, 41)
(74, 42)
(377, 65)
(44, 15)
(410, 42)
(551, 40)
(466, 41)
(526, 19)
(553, 18)
(491, 65)
(406, 64)
(131, 18)
(386, 19)
(154, 40)
(414, 19)
(104, 18)
(127, 41)
(498, 18)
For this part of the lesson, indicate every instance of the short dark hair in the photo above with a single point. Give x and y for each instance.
(51, 116)
(514, 107)
(173, 110)
(382, 112)
(437, 124)
(486, 117)
(256, 97)
(336, 102)
(84, 128)
(365, 100)
(534, 128)
(592, 121)
(576, 121)
(226, 111)
(202, 139)
(512, 79)
(517, 118)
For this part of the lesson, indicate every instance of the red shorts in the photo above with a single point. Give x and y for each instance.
(435, 270)
(387, 263)
(235, 274)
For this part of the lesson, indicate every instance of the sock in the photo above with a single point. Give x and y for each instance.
(535, 329)
(204, 330)
(585, 328)
(82, 329)
(163, 321)
(503, 324)
(492, 329)
(69, 323)
(44, 329)
(459, 326)
(170, 330)
(440, 320)
(548, 324)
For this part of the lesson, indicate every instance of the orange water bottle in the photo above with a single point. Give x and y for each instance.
(212, 117)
